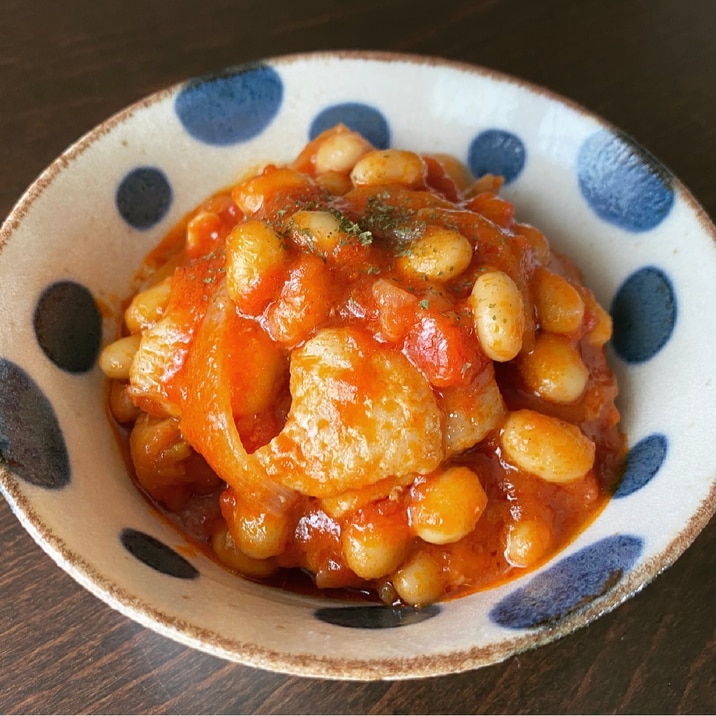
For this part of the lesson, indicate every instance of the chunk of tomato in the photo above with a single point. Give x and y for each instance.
(445, 352)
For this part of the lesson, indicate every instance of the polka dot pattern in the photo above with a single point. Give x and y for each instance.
(643, 462)
(570, 584)
(362, 118)
(31, 441)
(231, 108)
(374, 617)
(620, 185)
(143, 197)
(644, 312)
(623, 183)
(68, 326)
(496, 151)
(157, 555)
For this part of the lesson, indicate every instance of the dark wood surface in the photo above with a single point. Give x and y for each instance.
(649, 66)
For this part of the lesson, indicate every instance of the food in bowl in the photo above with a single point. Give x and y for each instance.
(363, 368)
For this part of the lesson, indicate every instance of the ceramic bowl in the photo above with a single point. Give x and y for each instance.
(71, 246)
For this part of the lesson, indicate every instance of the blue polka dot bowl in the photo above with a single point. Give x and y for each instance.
(71, 247)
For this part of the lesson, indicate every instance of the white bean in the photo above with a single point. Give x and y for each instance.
(148, 306)
(420, 580)
(439, 254)
(389, 166)
(445, 507)
(499, 315)
(554, 369)
(559, 305)
(253, 251)
(527, 541)
(339, 152)
(372, 552)
(123, 409)
(256, 532)
(228, 554)
(318, 231)
(116, 359)
(550, 448)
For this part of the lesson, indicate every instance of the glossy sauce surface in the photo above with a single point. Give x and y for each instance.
(333, 405)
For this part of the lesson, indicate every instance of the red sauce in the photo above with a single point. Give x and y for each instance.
(215, 419)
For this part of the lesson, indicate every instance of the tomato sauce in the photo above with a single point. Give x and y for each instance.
(322, 398)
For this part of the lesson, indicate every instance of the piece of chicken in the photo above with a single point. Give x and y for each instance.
(360, 412)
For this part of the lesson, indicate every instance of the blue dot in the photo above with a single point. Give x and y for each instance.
(376, 617)
(498, 152)
(623, 183)
(644, 314)
(68, 326)
(368, 121)
(570, 584)
(230, 108)
(143, 197)
(643, 462)
(31, 441)
(157, 555)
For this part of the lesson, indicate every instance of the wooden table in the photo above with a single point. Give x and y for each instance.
(649, 66)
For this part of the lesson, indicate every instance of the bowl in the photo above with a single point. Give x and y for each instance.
(72, 245)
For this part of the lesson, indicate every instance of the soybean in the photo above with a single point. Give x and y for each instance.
(550, 448)
(499, 315)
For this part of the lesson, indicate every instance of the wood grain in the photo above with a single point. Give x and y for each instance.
(647, 66)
